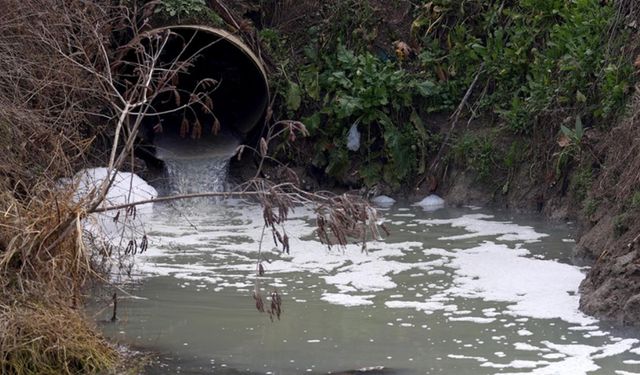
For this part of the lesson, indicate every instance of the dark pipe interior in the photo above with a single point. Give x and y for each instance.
(236, 86)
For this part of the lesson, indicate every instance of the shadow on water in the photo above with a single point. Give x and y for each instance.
(167, 364)
(159, 363)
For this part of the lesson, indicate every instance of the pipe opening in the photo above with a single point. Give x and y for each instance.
(234, 90)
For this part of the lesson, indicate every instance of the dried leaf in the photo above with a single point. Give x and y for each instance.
(442, 76)
(144, 244)
(176, 97)
(263, 147)
(403, 51)
(196, 132)
(184, 127)
(215, 128)
(207, 105)
(564, 141)
(257, 297)
(239, 151)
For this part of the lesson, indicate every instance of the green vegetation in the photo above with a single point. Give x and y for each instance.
(538, 56)
(538, 63)
(635, 200)
(581, 183)
(181, 8)
(620, 225)
(477, 154)
(187, 10)
(379, 99)
(590, 206)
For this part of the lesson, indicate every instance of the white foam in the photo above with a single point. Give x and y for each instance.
(426, 307)
(480, 225)
(347, 299)
(383, 201)
(535, 288)
(530, 288)
(431, 203)
(126, 188)
(474, 319)
(518, 363)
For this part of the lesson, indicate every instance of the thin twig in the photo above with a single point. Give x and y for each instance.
(455, 117)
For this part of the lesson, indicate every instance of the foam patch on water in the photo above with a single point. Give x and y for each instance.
(348, 299)
(480, 225)
(513, 287)
(541, 289)
(121, 230)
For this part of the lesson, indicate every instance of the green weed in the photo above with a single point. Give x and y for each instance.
(477, 154)
(635, 200)
(580, 183)
(620, 225)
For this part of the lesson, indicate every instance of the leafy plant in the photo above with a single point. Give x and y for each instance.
(182, 8)
(380, 99)
(570, 143)
(590, 206)
(538, 56)
(581, 183)
(620, 225)
(477, 153)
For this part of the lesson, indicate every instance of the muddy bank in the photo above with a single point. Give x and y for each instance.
(611, 232)
(607, 214)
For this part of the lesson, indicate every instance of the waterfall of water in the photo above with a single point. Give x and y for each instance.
(187, 176)
(196, 166)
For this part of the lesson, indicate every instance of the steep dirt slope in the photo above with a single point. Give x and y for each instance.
(611, 237)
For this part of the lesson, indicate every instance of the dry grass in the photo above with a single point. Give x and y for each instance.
(58, 98)
(40, 338)
(51, 99)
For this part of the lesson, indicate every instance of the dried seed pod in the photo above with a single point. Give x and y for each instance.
(263, 147)
(196, 132)
(260, 269)
(258, 300)
(184, 127)
(215, 128)
(144, 244)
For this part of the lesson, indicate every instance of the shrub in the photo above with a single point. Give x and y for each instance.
(378, 97)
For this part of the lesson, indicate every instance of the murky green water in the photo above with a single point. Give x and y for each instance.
(455, 291)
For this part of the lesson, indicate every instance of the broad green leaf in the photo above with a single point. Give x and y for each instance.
(294, 97)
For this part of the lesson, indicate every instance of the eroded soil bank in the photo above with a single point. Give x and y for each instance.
(607, 214)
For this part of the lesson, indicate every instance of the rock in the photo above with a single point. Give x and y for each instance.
(623, 261)
(383, 201)
(631, 310)
(431, 203)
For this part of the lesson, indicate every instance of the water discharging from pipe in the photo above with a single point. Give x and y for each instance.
(197, 162)
(193, 167)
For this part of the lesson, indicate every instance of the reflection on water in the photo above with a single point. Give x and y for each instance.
(449, 292)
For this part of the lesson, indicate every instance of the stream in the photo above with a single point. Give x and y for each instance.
(451, 291)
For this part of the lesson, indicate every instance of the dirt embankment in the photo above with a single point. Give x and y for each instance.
(605, 204)
(611, 233)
